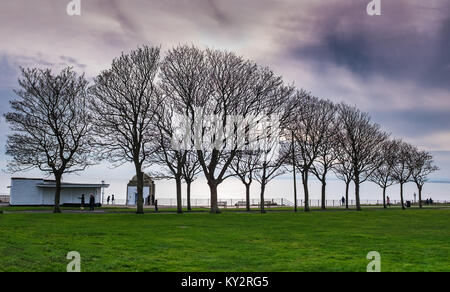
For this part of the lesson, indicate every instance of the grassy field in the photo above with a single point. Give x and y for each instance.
(411, 240)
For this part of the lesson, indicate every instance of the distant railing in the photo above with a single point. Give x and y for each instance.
(337, 203)
(119, 202)
(278, 202)
(226, 203)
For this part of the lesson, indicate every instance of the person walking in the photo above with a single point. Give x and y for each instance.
(388, 201)
(108, 199)
(91, 203)
(112, 199)
(343, 201)
(82, 202)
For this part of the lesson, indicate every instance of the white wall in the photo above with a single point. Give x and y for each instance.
(71, 195)
(131, 191)
(25, 192)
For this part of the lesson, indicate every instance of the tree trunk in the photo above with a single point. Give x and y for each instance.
(358, 203)
(305, 189)
(324, 187)
(384, 197)
(247, 197)
(293, 169)
(58, 178)
(295, 194)
(214, 206)
(188, 194)
(263, 189)
(179, 198)
(140, 190)
(401, 196)
(347, 186)
(420, 196)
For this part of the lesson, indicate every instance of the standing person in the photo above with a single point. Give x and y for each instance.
(91, 203)
(108, 199)
(343, 201)
(112, 199)
(156, 205)
(388, 201)
(82, 202)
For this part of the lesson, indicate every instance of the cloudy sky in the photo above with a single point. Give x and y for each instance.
(395, 66)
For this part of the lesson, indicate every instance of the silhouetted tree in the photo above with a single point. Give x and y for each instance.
(383, 174)
(51, 125)
(167, 153)
(191, 169)
(244, 166)
(310, 121)
(211, 87)
(343, 170)
(271, 165)
(361, 141)
(123, 104)
(402, 170)
(422, 165)
(328, 150)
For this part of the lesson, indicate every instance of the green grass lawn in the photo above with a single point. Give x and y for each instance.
(411, 240)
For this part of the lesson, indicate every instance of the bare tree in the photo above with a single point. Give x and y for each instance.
(343, 170)
(383, 174)
(402, 170)
(244, 166)
(123, 106)
(191, 169)
(272, 164)
(422, 165)
(310, 122)
(361, 141)
(211, 87)
(167, 153)
(51, 125)
(328, 150)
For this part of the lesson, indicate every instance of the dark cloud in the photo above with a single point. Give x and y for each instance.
(413, 123)
(217, 13)
(407, 42)
(439, 69)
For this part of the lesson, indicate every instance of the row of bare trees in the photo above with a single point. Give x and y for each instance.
(131, 113)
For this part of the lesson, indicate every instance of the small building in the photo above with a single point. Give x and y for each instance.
(148, 192)
(41, 192)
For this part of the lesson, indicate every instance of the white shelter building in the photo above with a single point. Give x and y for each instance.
(41, 192)
(148, 192)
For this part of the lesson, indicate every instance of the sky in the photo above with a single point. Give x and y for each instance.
(396, 66)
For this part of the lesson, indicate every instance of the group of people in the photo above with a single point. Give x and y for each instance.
(110, 199)
(388, 201)
(149, 201)
(91, 202)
